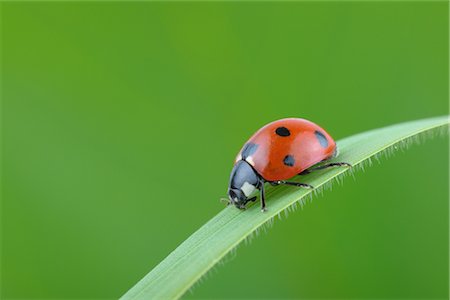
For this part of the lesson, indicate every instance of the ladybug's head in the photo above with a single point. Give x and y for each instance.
(243, 182)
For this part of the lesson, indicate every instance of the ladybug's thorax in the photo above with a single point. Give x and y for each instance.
(244, 180)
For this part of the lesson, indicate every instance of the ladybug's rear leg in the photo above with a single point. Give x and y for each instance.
(299, 184)
(330, 165)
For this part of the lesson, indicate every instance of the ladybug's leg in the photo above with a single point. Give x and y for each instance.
(330, 165)
(252, 199)
(299, 184)
(263, 197)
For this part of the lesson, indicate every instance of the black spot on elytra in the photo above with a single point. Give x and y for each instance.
(322, 139)
(289, 160)
(248, 150)
(282, 131)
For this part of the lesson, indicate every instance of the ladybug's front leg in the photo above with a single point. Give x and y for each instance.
(263, 197)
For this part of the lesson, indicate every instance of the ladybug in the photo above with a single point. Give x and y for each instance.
(276, 152)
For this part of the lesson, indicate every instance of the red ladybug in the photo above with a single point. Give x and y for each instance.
(279, 151)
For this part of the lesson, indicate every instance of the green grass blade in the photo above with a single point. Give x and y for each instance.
(207, 246)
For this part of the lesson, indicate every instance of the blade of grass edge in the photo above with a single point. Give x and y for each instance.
(182, 268)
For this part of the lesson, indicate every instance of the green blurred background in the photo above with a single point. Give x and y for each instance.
(121, 122)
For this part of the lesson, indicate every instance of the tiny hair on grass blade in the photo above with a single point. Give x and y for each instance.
(206, 247)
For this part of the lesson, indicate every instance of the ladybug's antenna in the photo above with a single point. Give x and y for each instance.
(225, 200)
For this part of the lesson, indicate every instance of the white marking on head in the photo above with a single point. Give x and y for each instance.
(249, 159)
(247, 188)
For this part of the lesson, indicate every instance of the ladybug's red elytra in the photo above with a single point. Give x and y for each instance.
(276, 152)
